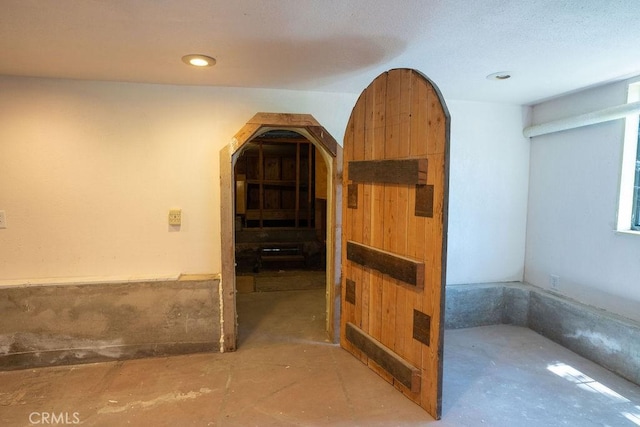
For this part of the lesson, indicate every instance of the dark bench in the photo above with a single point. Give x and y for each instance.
(282, 252)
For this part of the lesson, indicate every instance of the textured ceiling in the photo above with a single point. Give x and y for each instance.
(549, 46)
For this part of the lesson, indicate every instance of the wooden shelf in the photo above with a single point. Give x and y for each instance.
(279, 184)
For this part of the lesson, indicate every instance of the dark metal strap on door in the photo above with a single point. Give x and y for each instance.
(352, 196)
(405, 373)
(421, 327)
(404, 171)
(424, 201)
(407, 270)
(350, 291)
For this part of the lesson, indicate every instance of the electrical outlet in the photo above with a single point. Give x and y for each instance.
(555, 281)
(175, 216)
(3, 220)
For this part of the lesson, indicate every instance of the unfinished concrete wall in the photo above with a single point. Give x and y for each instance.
(80, 323)
(604, 338)
(600, 336)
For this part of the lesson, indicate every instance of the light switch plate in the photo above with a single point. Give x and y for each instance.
(175, 216)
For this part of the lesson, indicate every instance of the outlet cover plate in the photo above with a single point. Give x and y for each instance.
(175, 216)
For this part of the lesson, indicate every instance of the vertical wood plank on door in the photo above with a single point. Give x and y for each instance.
(391, 230)
(436, 121)
(376, 302)
(404, 320)
(347, 309)
(431, 305)
(357, 225)
(431, 355)
(377, 203)
(417, 245)
(419, 117)
(368, 129)
(413, 300)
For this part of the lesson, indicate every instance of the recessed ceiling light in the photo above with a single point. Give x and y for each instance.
(500, 75)
(199, 60)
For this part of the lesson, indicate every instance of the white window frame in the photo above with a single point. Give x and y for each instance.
(628, 171)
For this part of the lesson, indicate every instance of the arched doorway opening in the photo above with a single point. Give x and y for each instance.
(327, 148)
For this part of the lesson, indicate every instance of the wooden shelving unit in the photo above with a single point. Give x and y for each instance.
(279, 186)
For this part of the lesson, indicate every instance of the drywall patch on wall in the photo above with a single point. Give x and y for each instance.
(79, 323)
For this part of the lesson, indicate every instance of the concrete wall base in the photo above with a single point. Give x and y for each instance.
(602, 337)
(47, 325)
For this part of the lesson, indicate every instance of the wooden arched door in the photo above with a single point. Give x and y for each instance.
(394, 233)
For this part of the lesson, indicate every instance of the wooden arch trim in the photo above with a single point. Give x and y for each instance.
(286, 121)
(258, 124)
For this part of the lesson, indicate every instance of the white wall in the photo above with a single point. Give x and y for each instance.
(574, 184)
(88, 171)
(488, 193)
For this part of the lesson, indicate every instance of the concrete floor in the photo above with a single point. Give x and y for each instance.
(285, 373)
